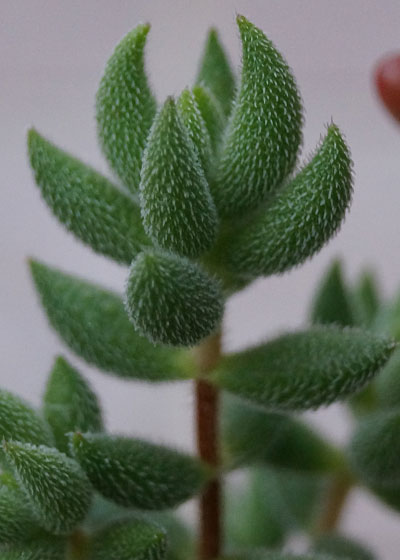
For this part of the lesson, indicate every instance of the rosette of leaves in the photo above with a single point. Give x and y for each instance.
(205, 195)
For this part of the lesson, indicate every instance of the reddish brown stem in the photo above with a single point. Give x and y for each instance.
(335, 501)
(207, 417)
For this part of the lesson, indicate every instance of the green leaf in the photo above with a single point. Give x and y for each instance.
(18, 421)
(17, 522)
(211, 112)
(86, 203)
(125, 108)
(341, 547)
(215, 72)
(135, 539)
(177, 209)
(93, 322)
(388, 383)
(49, 548)
(56, 488)
(181, 544)
(366, 299)
(387, 319)
(192, 118)
(301, 217)
(70, 404)
(251, 435)
(304, 370)
(332, 301)
(264, 132)
(172, 300)
(375, 449)
(262, 554)
(135, 473)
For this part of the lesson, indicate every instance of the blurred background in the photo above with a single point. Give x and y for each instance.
(52, 56)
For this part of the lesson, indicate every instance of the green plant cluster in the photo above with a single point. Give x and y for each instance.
(206, 197)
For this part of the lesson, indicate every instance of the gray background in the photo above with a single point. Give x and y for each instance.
(52, 56)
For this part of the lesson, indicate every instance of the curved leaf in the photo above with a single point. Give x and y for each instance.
(172, 300)
(264, 132)
(55, 486)
(70, 404)
(304, 370)
(366, 299)
(135, 473)
(93, 322)
(49, 548)
(17, 522)
(387, 383)
(215, 72)
(177, 209)
(125, 108)
(301, 218)
(86, 203)
(341, 547)
(211, 112)
(135, 539)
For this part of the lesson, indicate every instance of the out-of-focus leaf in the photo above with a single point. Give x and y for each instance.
(341, 547)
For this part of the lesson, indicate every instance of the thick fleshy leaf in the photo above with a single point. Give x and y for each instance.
(366, 299)
(172, 300)
(375, 449)
(388, 383)
(387, 319)
(135, 539)
(125, 108)
(332, 301)
(55, 486)
(17, 522)
(192, 118)
(18, 421)
(70, 404)
(304, 370)
(215, 72)
(135, 473)
(251, 435)
(301, 218)
(177, 209)
(342, 548)
(211, 112)
(49, 548)
(181, 541)
(93, 322)
(264, 132)
(86, 202)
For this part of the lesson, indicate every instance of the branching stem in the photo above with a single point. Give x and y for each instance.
(207, 420)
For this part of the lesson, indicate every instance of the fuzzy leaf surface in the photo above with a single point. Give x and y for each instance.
(332, 302)
(17, 522)
(300, 218)
(70, 404)
(251, 435)
(43, 549)
(135, 539)
(135, 473)
(55, 486)
(342, 548)
(177, 209)
(192, 118)
(172, 300)
(125, 108)
(20, 422)
(86, 203)
(366, 299)
(375, 449)
(264, 132)
(388, 383)
(304, 370)
(215, 72)
(211, 112)
(93, 322)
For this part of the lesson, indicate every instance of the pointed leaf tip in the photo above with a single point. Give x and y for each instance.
(305, 370)
(125, 107)
(70, 404)
(301, 218)
(177, 209)
(85, 202)
(264, 132)
(172, 300)
(135, 473)
(93, 323)
(55, 486)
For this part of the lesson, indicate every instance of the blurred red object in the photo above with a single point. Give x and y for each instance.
(387, 81)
